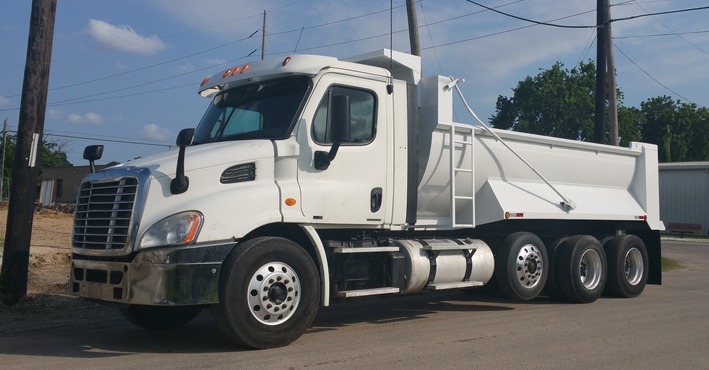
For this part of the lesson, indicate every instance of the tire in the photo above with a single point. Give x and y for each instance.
(582, 269)
(521, 266)
(552, 287)
(269, 293)
(627, 266)
(159, 317)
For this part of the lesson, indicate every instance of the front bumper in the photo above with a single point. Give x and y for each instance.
(174, 276)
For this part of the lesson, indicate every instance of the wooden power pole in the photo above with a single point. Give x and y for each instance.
(413, 28)
(605, 77)
(25, 170)
(263, 37)
(599, 130)
(610, 74)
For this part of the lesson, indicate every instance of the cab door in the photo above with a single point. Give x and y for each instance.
(355, 187)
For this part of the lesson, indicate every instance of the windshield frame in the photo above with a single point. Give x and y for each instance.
(203, 133)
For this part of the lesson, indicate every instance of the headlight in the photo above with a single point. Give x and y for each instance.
(178, 229)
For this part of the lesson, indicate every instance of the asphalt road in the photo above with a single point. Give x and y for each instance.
(666, 327)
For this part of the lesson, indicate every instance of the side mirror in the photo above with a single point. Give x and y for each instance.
(340, 119)
(181, 182)
(93, 153)
(339, 125)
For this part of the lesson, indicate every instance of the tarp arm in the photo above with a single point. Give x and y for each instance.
(566, 204)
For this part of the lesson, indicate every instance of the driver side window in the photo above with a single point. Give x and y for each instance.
(362, 110)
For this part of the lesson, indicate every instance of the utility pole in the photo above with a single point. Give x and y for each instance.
(413, 28)
(2, 164)
(13, 277)
(610, 73)
(263, 37)
(600, 111)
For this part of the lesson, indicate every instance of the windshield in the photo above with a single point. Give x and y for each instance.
(261, 110)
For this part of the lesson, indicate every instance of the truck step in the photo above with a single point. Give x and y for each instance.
(364, 249)
(367, 292)
(455, 285)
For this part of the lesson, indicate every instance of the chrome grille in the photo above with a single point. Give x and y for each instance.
(103, 214)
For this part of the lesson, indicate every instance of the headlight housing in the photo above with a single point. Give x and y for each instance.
(178, 229)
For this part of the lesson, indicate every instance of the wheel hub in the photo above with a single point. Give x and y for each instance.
(634, 266)
(274, 293)
(590, 269)
(529, 266)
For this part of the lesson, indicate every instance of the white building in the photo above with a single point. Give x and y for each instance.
(684, 195)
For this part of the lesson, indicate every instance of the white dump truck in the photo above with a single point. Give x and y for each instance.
(311, 180)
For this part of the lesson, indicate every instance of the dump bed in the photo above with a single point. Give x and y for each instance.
(482, 181)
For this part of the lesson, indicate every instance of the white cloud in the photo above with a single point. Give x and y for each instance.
(186, 67)
(4, 101)
(214, 61)
(124, 38)
(88, 118)
(155, 132)
(54, 114)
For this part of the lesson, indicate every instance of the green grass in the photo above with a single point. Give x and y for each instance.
(668, 264)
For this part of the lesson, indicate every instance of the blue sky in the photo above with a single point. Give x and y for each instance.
(125, 73)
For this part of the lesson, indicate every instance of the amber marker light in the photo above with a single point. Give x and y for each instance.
(204, 81)
(226, 73)
(285, 61)
(235, 70)
(244, 68)
(290, 202)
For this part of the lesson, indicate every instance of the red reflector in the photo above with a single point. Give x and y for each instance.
(643, 217)
(285, 61)
(514, 215)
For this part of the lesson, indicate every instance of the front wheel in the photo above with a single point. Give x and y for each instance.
(627, 266)
(582, 269)
(268, 293)
(522, 266)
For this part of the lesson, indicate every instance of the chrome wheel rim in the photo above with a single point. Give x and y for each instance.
(529, 266)
(633, 266)
(590, 269)
(274, 293)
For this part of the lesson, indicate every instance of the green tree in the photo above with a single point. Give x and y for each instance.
(50, 152)
(680, 130)
(556, 102)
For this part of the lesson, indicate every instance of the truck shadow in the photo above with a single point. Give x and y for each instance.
(67, 327)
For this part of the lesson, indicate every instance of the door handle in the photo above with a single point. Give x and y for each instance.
(375, 200)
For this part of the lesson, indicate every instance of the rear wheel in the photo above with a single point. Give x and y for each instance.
(627, 266)
(552, 288)
(522, 266)
(159, 317)
(268, 293)
(582, 269)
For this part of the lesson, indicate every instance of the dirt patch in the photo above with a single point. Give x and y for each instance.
(50, 251)
(48, 303)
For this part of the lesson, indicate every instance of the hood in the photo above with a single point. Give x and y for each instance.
(203, 156)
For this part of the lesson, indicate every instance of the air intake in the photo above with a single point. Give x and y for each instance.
(240, 173)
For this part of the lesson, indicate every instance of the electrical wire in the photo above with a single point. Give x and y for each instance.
(649, 75)
(527, 19)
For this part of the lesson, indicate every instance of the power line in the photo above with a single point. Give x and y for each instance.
(649, 75)
(527, 19)
(660, 34)
(108, 140)
(660, 13)
(103, 138)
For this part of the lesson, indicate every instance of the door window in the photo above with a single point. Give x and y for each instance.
(362, 126)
